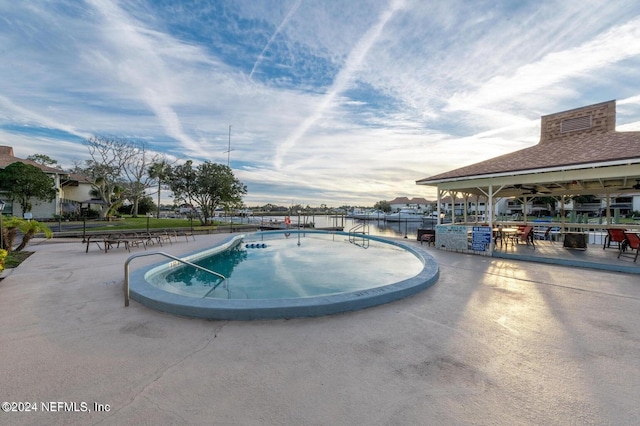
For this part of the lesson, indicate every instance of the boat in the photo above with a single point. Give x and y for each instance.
(375, 215)
(405, 215)
(368, 214)
(357, 214)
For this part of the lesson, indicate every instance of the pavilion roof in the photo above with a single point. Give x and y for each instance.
(603, 148)
(580, 140)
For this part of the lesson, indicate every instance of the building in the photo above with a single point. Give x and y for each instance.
(579, 153)
(71, 190)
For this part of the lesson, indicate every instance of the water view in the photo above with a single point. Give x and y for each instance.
(376, 227)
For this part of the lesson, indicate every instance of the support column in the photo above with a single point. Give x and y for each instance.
(489, 213)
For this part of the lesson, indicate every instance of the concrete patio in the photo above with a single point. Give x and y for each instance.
(494, 341)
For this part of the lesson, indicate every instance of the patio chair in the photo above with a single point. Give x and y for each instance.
(429, 238)
(632, 241)
(525, 235)
(544, 234)
(614, 236)
(497, 236)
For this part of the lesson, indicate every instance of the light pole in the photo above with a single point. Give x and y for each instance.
(1, 233)
(298, 228)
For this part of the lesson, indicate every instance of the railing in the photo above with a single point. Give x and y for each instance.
(177, 259)
(363, 229)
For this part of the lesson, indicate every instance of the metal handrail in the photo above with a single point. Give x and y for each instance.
(177, 259)
(362, 228)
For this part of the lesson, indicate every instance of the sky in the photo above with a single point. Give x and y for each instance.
(321, 102)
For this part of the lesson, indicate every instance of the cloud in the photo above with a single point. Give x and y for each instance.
(341, 81)
(616, 45)
(329, 102)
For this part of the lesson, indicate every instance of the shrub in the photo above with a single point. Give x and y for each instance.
(3, 257)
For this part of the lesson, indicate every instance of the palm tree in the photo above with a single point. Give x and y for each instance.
(159, 171)
(28, 227)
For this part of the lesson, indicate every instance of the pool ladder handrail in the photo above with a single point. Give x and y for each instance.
(363, 229)
(177, 259)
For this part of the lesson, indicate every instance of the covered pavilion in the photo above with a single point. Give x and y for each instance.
(579, 153)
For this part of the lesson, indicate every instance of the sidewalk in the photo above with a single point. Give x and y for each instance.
(494, 341)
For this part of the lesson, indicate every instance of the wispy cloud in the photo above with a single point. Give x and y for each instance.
(330, 102)
(578, 63)
(280, 27)
(343, 78)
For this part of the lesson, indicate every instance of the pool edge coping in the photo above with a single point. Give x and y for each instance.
(260, 309)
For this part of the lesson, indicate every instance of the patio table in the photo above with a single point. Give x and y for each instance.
(506, 233)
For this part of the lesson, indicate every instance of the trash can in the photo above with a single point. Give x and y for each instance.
(575, 240)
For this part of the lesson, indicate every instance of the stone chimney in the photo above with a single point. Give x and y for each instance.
(6, 151)
(579, 123)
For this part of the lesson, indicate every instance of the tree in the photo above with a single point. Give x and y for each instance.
(208, 185)
(109, 157)
(160, 172)
(146, 205)
(136, 170)
(24, 183)
(43, 159)
(29, 228)
(383, 205)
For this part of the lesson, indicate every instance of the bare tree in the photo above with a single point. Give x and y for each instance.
(136, 170)
(106, 168)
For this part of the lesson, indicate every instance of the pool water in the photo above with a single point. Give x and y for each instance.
(298, 265)
(282, 274)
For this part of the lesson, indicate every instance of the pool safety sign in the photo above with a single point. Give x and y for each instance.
(452, 237)
(480, 238)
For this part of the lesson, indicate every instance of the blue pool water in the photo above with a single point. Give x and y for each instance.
(282, 275)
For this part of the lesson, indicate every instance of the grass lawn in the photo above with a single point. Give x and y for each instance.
(154, 223)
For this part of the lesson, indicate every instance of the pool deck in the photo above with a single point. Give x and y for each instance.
(494, 341)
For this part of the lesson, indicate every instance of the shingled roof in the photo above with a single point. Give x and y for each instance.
(7, 158)
(582, 136)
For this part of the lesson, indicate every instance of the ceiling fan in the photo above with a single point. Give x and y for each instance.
(532, 190)
(636, 186)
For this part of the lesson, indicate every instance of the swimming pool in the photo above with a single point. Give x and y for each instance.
(282, 275)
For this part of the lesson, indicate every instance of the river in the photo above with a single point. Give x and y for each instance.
(376, 227)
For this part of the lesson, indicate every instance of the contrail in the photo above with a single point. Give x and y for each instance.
(356, 57)
(280, 27)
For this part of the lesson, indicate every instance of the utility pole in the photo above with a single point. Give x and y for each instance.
(228, 151)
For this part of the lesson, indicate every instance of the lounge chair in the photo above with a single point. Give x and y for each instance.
(632, 241)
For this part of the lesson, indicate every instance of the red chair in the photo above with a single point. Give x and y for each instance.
(614, 236)
(525, 235)
(632, 241)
